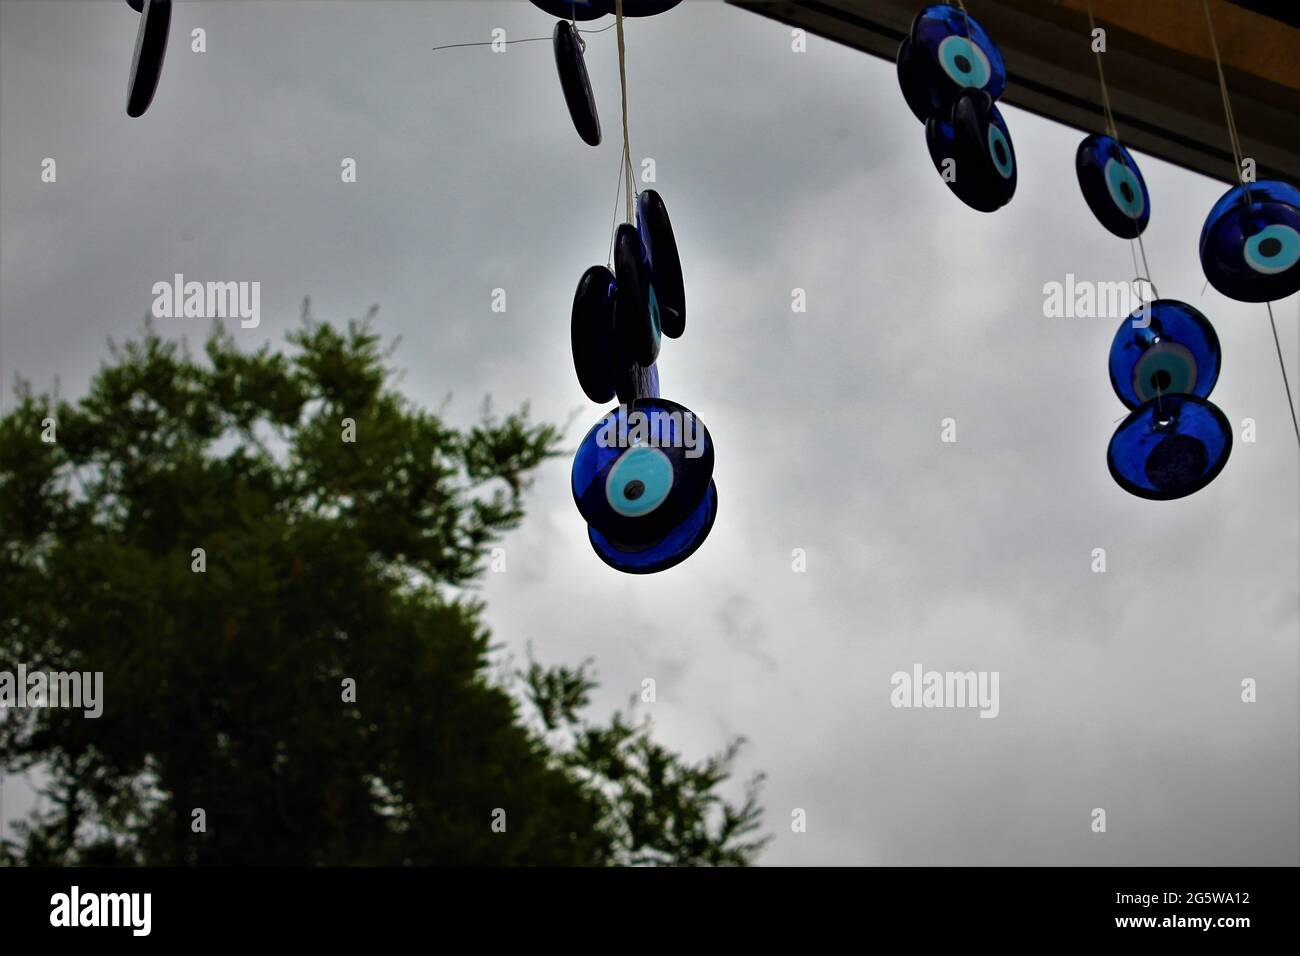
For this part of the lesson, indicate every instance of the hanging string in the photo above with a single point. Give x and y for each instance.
(630, 182)
(613, 225)
(1113, 132)
(965, 16)
(455, 46)
(1101, 75)
(1290, 404)
(1234, 140)
(622, 82)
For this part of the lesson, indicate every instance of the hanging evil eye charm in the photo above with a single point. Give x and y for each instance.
(666, 268)
(636, 314)
(1250, 244)
(594, 9)
(573, 9)
(575, 82)
(642, 8)
(1164, 348)
(643, 481)
(945, 53)
(1113, 186)
(150, 46)
(973, 152)
(1169, 447)
(603, 366)
(592, 333)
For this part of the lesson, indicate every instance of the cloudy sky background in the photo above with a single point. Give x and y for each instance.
(780, 170)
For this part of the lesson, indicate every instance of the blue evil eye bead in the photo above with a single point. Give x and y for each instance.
(593, 9)
(150, 47)
(983, 169)
(636, 313)
(575, 83)
(665, 265)
(572, 9)
(1169, 447)
(1250, 244)
(641, 471)
(944, 54)
(591, 332)
(1113, 186)
(1176, 354)
(642, 8)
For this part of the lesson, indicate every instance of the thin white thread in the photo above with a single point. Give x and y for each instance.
(622, 81)
(613, 226)
(1286, 383)
(455, 46)
(1234, 141)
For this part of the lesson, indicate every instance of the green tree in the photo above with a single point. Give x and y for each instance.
(327, 560)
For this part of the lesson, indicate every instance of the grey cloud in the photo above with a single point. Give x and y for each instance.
(780, 170)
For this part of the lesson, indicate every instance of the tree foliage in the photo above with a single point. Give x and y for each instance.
(326, 560)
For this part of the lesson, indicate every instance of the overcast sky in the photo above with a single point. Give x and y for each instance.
(780, 170)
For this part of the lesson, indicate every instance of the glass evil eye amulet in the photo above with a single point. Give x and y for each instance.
(1113, 186)
(643, 475)
(643, 481)
(973, 152)
(1250, 244)
(1164, 362)
(1165, 348)
(583, 10)
(944, 54)
(1169, 447)
(150, 48)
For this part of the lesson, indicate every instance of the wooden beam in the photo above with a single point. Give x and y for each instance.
(1163, 85)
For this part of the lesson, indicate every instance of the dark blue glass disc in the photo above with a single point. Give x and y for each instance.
(937, 61)
(1250, 250)
(1113, 186)
(982, 171)
(665, 265)
(642, 8)
(1178, 353)
(593, 9)
(1170, 447)
(150, 48)
(675, 547)
(575, 83)
(572, 9)
(591, 333)
(641, 470)
(637, 332)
